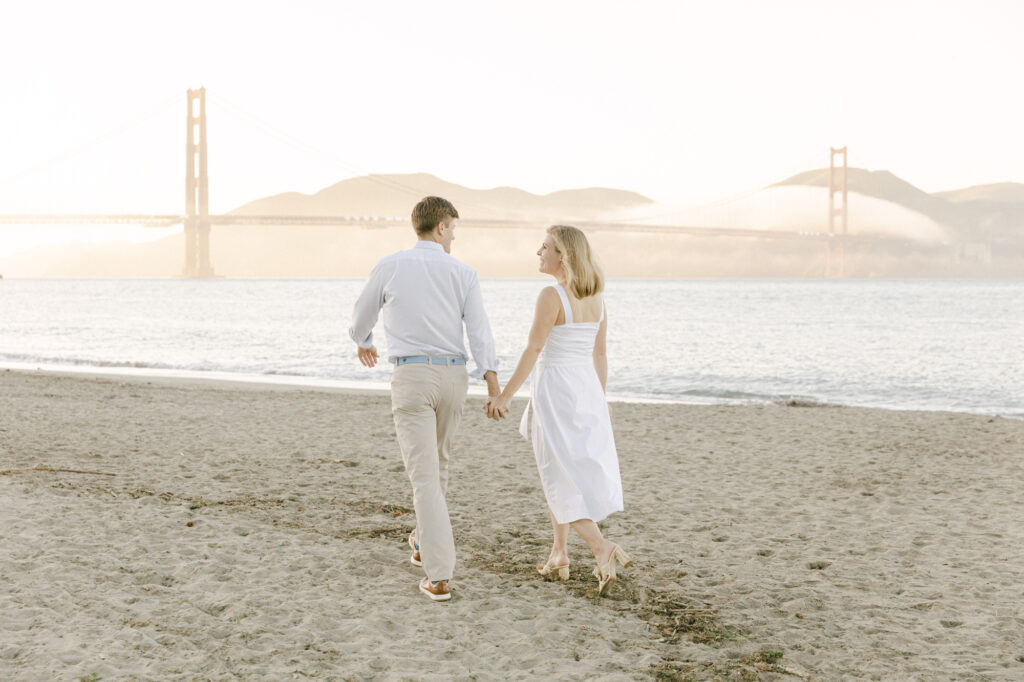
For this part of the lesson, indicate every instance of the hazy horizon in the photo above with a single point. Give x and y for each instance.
(893, 239)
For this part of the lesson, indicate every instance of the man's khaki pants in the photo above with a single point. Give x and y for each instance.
(427, 401)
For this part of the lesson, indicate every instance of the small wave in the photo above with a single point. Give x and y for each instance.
(794, 401)
(727, 394)
(28, 359)
(689, 397)
(83, 362)
(698, 394)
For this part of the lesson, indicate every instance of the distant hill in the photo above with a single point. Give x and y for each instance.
(1002, 193)
(881, 185)
(395, 195)
(983, 212)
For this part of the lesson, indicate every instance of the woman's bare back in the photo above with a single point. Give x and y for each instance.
(583, 310)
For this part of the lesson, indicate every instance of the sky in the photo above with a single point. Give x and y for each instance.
(684, 102)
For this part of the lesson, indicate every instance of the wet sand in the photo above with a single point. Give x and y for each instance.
(235, 532)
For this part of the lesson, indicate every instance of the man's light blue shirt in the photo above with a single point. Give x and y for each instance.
(427, 296)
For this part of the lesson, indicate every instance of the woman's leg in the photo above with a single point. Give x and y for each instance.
(560, 546)
(591, 534)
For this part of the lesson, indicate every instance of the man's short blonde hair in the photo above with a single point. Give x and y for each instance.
(431, 212)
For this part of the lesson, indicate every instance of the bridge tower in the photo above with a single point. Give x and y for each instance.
(835, 255)
(197, 190)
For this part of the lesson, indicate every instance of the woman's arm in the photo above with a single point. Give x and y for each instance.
(601, 352)
(544, 316)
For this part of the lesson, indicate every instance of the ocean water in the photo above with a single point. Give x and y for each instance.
(909, 344)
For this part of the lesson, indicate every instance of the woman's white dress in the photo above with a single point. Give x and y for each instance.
(571, 429)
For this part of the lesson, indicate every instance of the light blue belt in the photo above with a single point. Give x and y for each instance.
(427, 360)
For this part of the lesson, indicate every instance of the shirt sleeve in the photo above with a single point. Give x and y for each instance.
(367, 309)
(478, 329)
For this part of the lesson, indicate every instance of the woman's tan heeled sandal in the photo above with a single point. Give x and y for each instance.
(606, 574)
(554, 572)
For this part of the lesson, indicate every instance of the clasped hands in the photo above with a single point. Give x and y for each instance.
(497, 407)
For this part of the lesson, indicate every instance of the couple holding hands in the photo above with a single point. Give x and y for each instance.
(427, 296)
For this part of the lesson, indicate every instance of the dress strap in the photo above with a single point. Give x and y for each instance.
(602, 311)
(565, 303)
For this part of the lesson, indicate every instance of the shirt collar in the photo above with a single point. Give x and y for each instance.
(425, 244)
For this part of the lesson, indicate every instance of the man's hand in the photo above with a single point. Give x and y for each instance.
(368, 356)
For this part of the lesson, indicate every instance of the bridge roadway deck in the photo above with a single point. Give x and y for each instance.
(154, 220)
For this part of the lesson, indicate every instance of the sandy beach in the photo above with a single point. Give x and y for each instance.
(234, 532)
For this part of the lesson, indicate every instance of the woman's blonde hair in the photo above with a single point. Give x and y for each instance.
(583, 274)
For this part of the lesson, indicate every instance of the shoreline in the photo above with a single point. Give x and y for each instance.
(199, 378)
(269, 382)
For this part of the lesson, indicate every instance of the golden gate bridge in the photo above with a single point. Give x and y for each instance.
(197, 219)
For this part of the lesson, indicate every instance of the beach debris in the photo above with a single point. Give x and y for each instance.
(56, 469)
(737, 668)
(396, 510)
(768, 655)
(819, 565)
(344, 462)
(391, 532)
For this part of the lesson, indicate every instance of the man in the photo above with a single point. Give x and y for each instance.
(427, 296)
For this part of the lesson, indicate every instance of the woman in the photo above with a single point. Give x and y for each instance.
(571, 428)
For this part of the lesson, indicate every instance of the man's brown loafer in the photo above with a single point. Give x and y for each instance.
(436, 591)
